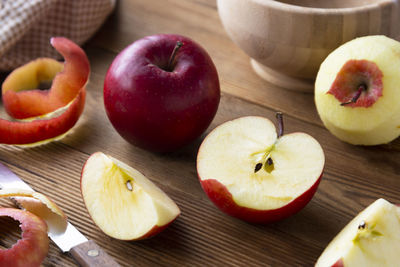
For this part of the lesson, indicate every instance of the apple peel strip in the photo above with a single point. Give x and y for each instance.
(32, 248)
(40, 205)
(47, 115)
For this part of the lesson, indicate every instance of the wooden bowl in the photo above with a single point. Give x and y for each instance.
(287, 40)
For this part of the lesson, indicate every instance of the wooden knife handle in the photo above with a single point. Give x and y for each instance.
(89, 254)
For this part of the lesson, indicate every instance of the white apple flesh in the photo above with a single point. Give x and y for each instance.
(230, 172)
(357, 91)
(122, 202)
(371, 239)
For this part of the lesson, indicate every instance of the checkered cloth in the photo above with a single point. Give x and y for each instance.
(27, 25)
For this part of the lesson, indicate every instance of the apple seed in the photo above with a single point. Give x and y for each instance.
(362, 225)
(129, 185)
(258, 167)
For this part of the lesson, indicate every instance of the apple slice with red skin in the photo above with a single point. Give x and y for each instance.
(122, 202)
(251, 173)
(69, 79)
(67, 96)
(370, 239)
(31, 250)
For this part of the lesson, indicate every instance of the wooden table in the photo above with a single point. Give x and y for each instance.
(203, 236)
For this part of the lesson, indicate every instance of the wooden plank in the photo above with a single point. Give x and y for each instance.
(202, 235)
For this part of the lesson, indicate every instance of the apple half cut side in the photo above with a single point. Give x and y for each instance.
(33, 246)
(250, 172)
(122, 202)
(372, 238)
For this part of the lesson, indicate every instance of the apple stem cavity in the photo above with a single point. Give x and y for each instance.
(362, 87)
(171, 62)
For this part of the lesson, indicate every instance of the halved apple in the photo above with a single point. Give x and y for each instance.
(122, 202)
(372, 238)
(252, 173)
(32, 248)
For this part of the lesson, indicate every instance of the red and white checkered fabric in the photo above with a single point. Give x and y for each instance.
(26, 26)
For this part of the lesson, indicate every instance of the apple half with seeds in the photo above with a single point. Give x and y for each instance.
(252, 173)
(372, 238)
(122, 202)
(357, 91)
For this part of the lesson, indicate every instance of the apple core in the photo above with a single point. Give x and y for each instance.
(358, 84)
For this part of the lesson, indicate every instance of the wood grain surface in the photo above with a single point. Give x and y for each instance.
(202, 236)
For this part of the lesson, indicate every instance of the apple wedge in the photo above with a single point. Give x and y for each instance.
(252, 173)
(371, 239)
(122, 202)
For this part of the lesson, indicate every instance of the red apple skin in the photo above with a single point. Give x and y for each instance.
(222, 198)
(339, 263)
(18, 133)
(156, 109)
(31, 250)
(155, 230)
(65, 87)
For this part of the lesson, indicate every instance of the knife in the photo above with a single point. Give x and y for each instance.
(85, 252)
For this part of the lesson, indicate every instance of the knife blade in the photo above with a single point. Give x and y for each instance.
(84, 251)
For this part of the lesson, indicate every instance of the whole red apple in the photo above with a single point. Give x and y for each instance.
(161, 92)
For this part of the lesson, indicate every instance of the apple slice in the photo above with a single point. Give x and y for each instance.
(357, 91)
(372, 238)
(31, 250)
(122, 202)
(252, 173)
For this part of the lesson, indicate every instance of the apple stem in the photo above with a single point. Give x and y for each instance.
(279, 117)
(361, 88)
(171, 63)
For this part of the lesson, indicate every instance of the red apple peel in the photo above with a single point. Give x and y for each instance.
(31, 250)
(67, 84)
(222, 198)
(67, 94)
(359, 92)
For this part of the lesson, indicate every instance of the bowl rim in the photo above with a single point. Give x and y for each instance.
(318, 10)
